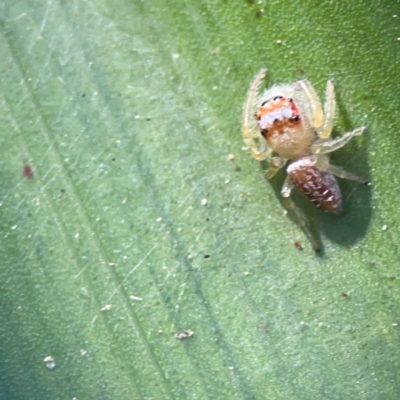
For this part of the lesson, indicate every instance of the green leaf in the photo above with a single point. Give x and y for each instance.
(135, 226)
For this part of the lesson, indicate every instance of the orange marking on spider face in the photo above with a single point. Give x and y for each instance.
(277, 116)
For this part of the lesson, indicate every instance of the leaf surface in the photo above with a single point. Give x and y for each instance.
(124, 223)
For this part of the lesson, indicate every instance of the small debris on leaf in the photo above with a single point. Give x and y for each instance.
(184, 335)
(50, 363)
(28, 171)
(298, 245)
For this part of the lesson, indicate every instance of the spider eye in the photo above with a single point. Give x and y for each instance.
(264, 132)
(296, 118)
(264, 103)
(277, 98)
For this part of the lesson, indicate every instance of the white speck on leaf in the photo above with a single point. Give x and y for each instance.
(50, 363)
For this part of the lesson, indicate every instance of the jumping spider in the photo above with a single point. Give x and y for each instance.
(290, 122)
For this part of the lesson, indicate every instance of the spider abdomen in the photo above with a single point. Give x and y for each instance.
(318, 185)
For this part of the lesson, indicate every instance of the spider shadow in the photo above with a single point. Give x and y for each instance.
(350, 226)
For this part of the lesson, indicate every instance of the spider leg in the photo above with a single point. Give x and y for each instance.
(334, 144)
(276, 164)
(341, 173)
(329, 111)
(296, 213)
(251, 134)
(300, 219)
(287, 187)
(317, 116)
(322, 162)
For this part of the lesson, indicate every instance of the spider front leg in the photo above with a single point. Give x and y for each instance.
(313, 102)
(321, 121)
(329, 111)
(251, 133)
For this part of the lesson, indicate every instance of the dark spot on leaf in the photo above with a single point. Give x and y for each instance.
(28, 171)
